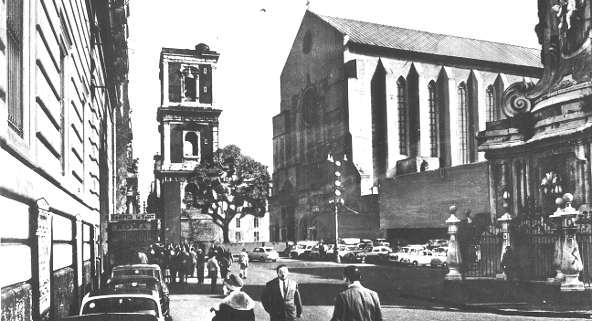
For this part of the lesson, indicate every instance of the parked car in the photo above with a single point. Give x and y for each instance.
(381, 242)
(437, 243)
(376, 254)
(264, 254)
(134, 282)
(301, 247)
(349, 241)
(421, 258)
(342, 250)
(403, 255)
(313, 253)
(439, 256)
(141, 269)
(111, 317)
(108, 301)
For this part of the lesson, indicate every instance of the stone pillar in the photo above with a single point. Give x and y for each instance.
(165, 83)
(453, 258)
(557, 252)
(506, 241)
(571, 261)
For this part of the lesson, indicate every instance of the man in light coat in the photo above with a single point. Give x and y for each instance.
(281, 298)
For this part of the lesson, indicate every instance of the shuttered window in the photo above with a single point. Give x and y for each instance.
(15, 64)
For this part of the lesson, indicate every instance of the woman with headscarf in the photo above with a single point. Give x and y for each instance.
(237, 305)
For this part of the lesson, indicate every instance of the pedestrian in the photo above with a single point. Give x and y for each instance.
(281, 298)
(243, 262)
(356, 302)
(142, 257)
(213, 269)
(508, 263)
(225, 263)
(200, 263)
(237, 305)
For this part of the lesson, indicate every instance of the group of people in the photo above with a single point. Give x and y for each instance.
(281, 299)
(182, 260)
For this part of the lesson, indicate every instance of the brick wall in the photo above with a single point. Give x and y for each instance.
(421, 200)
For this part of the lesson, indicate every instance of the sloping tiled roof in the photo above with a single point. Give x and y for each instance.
(378, 35)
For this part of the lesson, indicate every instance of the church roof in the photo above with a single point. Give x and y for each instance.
(378, 35)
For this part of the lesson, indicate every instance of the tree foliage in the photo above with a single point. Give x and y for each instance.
(235, 185)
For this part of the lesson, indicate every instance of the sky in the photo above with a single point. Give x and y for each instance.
(254, 39)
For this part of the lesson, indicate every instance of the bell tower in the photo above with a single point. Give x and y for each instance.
(188, 126)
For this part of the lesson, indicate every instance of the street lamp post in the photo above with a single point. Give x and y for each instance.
(337, 197)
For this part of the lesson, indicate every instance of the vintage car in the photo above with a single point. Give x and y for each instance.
(141, 269)
(134, 282)
(111, 317)
(374, 255)
(133, 302)
(264, 254)
(301, 247)
(439, 256)
(403, 255)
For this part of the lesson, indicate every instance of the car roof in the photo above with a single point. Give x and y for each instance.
(137, 266)
(111, 316)
(131, 277)
(123, 292)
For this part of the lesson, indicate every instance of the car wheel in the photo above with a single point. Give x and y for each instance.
(415, 263)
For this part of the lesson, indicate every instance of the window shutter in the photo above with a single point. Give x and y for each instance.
(174, 82)
(205, 84)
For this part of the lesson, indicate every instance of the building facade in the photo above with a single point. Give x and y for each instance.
(63, 68)
(404, 107)
(127, 196)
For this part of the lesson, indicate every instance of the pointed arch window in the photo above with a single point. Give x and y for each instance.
(403, 116)
(434, 120)
(491, 104)
(463, 123)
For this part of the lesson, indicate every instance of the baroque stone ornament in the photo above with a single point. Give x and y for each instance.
(516, 99)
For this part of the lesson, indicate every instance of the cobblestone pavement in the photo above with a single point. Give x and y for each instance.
(319, 283)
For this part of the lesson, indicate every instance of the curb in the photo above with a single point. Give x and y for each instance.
(500, 311)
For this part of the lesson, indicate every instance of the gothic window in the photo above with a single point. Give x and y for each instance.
(189, 81)
(403, 117)
(237, 236)
(434, 120)
(256, 222)
(238, 222)
(14, 33)
(491, 106)
(191, 144)
(463, 123)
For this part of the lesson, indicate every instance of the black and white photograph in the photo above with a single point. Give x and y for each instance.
(295, 160)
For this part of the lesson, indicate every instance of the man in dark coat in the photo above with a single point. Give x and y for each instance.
(281, 298)
(356, 303)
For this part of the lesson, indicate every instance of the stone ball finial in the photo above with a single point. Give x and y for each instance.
(568, 198)
(559, 201)
(452, 209)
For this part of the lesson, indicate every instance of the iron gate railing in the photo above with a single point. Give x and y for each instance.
(533, 240)
(487, 255)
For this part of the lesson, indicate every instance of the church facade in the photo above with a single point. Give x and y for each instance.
(404, 108)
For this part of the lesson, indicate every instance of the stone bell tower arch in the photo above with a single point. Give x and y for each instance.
(188, 126)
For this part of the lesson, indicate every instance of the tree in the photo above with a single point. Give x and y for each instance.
(235, 185)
